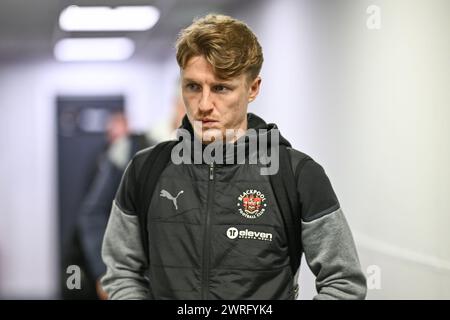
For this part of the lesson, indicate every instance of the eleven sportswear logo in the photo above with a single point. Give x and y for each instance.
(251, 204)
(233, 233)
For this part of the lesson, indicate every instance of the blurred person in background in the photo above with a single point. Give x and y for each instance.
(96, 207)
(94, 211)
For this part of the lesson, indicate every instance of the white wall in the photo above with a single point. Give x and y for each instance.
(372, 107)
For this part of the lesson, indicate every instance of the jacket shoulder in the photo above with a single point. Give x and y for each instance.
(314, 187)
(297, 157)
(126, 197)
(140, 157)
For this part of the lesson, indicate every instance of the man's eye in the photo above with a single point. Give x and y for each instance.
(192, 87)
(220, 88)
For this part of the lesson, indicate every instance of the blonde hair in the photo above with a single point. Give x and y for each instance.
(226, 43)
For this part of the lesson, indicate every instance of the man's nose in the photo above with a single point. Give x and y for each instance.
(206, 103)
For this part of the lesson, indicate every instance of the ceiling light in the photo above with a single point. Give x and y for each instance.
(126, 18)
(94, 49)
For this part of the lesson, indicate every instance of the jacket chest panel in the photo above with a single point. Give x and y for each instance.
(239, 195)
(237, 219)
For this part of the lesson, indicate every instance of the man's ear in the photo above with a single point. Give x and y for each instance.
(253, 89)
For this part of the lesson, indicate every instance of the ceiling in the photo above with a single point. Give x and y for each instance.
(29, 28)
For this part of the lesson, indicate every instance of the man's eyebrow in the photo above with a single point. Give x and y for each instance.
(214, 83)
(225, 82)
(189, 80)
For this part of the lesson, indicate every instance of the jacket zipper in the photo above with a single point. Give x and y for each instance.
(207, 243)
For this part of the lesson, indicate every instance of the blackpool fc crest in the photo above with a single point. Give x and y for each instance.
(252, 204)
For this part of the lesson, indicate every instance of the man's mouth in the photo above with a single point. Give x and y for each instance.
(208, 122)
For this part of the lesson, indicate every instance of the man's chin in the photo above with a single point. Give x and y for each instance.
(211, 135)
(218, 135)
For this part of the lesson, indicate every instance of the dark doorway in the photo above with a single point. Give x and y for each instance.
(81, 140)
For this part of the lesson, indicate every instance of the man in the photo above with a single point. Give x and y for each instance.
(213, 228)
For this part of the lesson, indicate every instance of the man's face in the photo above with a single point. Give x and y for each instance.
(214, 105)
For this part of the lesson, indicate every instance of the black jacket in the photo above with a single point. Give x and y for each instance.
(215, 232)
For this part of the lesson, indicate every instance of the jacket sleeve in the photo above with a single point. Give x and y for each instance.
(326, 238)
(122, 250)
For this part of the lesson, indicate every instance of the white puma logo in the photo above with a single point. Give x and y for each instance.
(166, 194)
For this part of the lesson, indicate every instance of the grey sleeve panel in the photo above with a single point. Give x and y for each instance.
(124, 258)
(331, 255)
